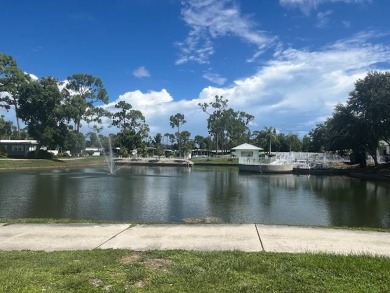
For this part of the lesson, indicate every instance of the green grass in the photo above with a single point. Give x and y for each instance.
(215, 161)
(182, 271)
(56, 163)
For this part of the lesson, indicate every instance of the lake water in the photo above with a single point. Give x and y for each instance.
(169, 194)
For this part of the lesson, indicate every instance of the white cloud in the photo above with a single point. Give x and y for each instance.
(346, 24)
(214, 78)
(32, 76)
(306, 6)
(323, 18)
(292, 92)
(141, 72)
(212, 19)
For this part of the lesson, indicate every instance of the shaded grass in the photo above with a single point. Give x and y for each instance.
(184, 271)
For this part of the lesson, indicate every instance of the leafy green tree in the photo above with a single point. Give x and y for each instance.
(40, 107)
(294, 143)
(361, 123)
(82, 92)
(185, 138)
(345, 131)
(370, 103)
(11, 80)
(74, 141)
(236, 129)
(227, 126)
(318, 138)
(91, 139)
(5, 128)
(176, 121)
(158, 139)
(306, 143)
(166, 136)
(200, 142)
(133, 129)
(215, 123)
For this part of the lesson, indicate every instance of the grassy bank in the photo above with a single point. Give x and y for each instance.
(181, 271)
(215, 161)
(56, 163)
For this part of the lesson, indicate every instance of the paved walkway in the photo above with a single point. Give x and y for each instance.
(206, 237)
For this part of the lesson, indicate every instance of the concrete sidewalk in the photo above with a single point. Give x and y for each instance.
(206, 237)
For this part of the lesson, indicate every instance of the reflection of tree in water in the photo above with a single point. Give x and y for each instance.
(354, 202)
(224, 194)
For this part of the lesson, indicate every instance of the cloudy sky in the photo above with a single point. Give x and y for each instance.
(286, 62)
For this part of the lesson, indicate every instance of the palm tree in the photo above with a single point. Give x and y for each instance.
(270, 134)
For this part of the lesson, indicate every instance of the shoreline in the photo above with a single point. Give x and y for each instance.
(380, 172)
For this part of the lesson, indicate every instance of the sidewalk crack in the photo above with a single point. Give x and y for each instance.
(130, 226)
(258, 235)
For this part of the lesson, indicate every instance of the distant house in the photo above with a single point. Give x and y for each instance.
(18, 148)
(200, 153)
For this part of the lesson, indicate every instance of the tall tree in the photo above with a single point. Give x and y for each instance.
(133, 129)
(271, 135)
(294, 143)
(215, 110)
(363, 121)
(41, 108)
(235, 125)
(82, 92)
(5, 128)
(370, 103)
(176, 121)
(186, 142)
(11, 80)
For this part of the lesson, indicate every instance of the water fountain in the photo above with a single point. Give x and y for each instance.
(108, 157)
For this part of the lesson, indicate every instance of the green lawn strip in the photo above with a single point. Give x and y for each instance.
(184, 271)
(215, 161)
(56, 163)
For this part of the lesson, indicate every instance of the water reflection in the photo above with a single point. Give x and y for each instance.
(166, 194)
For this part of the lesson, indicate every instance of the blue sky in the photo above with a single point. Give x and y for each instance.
(286, 62)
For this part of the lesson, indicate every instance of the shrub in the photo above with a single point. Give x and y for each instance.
(3, 152)
(42, 154)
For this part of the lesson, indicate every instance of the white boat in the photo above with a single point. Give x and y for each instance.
(277, 166)
(301, 165)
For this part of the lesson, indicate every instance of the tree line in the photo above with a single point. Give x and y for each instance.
(54, 113)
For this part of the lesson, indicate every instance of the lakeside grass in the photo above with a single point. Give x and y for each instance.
(215, 161)
(55, 163)
(190, 271)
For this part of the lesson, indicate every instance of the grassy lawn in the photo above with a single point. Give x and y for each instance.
(182, 271)
(57, 163)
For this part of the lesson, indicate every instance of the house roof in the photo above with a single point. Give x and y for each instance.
(18, 141)
(247, 146)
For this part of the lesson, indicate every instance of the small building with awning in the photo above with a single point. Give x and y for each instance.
(18, 148)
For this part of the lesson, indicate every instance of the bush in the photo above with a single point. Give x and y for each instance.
(42, 154)
(3, 152)
(63, 155)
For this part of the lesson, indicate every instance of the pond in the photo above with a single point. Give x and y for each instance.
(176, 194)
